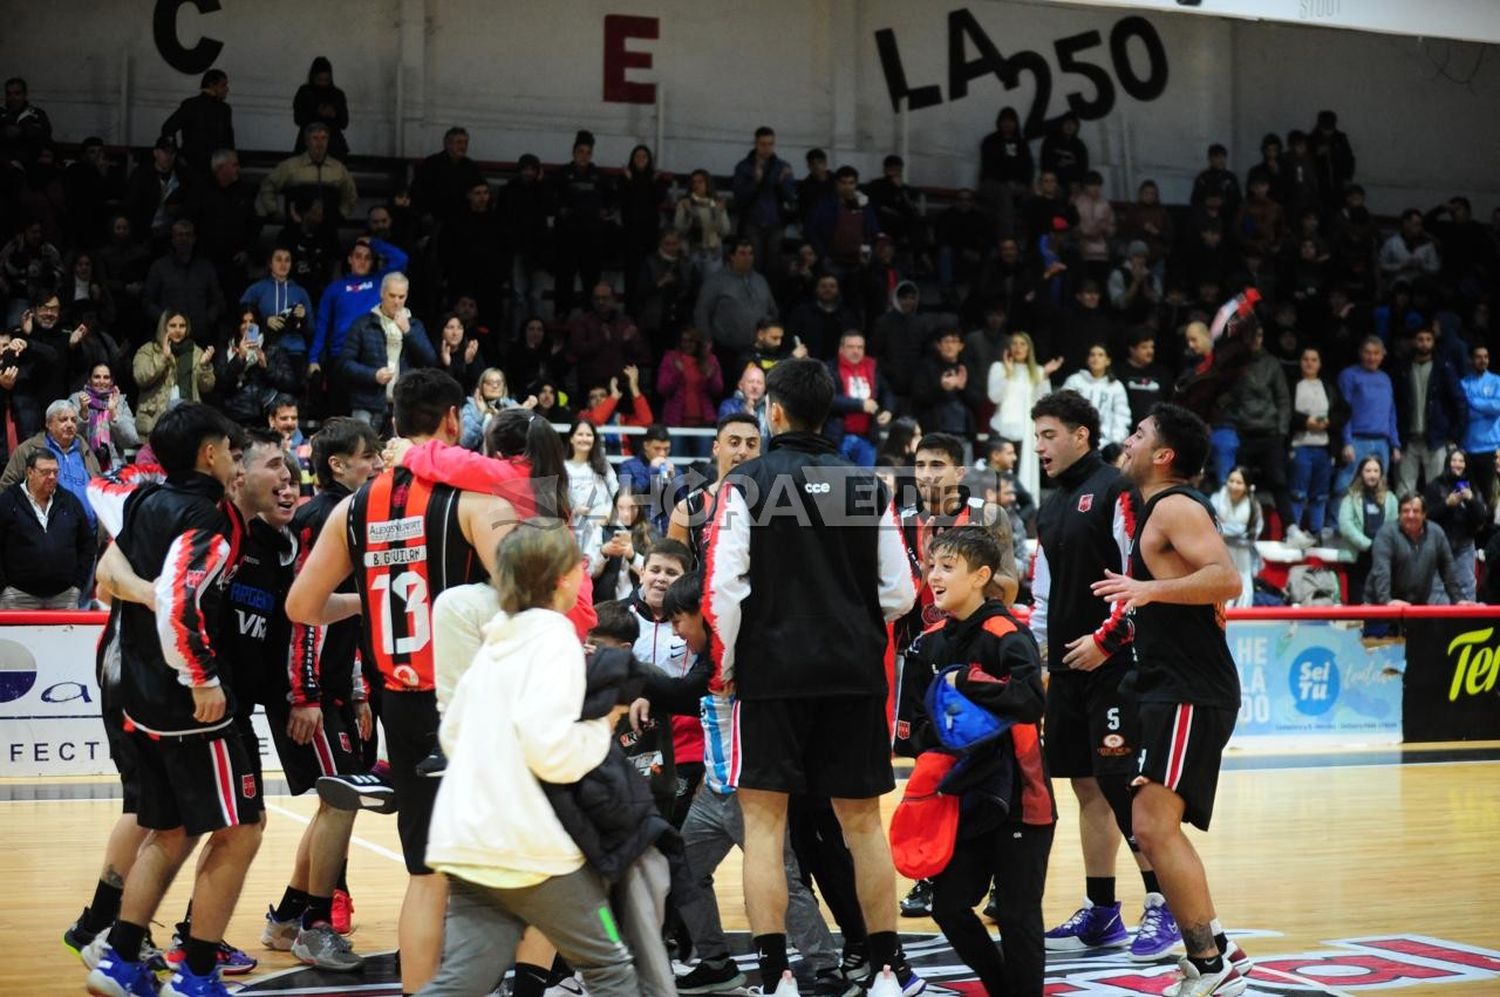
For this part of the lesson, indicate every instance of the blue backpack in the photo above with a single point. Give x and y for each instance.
(961, 724)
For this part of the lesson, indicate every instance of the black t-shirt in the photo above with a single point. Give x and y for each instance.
(258, 631)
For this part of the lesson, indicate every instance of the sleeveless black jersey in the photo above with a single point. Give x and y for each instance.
(325, 672)
(1181, 653)
(407, 546)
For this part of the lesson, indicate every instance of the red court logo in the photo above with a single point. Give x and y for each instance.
(1085, 502)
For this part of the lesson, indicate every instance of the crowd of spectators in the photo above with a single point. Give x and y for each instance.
(1364, 413)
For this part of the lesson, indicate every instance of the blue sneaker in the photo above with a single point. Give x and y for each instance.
(114, 977)
(1158, 933)
(186, 983)
(1090, 927)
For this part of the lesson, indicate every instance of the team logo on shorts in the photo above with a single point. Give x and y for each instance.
(247, 786)
(344, 743)
(1086, 502)
(1113, 745)
(903, 730)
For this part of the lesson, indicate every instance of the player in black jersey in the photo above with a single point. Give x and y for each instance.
(737, 440)
(1180, 578)
(322, 716)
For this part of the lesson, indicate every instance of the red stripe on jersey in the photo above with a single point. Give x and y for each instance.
(710, 549)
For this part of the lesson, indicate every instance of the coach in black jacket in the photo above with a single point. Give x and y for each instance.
(43, 566)
(805, 571)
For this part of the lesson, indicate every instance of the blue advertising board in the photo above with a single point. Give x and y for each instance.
(1315, 682)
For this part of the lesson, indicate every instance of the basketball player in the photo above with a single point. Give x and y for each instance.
(1180, 578)
(1082, 528)
(345, 453)
(939, 470)
(195, 778)
(405, 540)
(806, 568)
(737, 440)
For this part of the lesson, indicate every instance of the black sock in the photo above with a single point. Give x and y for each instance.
(770, 950)
(560, 971)
(319, 911)
(185, 926)
(125, 938)
(531, 981)
(293, 903)
(106, 907)
(1148, 876)
(202, 957)
(1100, 890)
(1222, 941)
(885, 950)
(1208, 966)
(342, 883)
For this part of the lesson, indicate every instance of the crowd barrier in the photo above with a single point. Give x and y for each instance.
(1310, 679)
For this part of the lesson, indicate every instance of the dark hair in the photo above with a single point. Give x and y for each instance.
(518, 432)
(1007, 113)
(804, 390)
(846, 171)
(975, 545)
(650, 170)
(422, 398)
(16, 81)
(1270, 139)
(657, 432)
(1185, 434)
(765, 130)
(528, 159)
(455, 131)
(261, 436)
(1140, 334)
(320, 64)
(213, 78)
(1111, 452)
(39, 454)
(947, 444)
(892, 160)
(1071, 409)
(893, 450)
(684, 597)
(183, 429)
(281, 400)
(339, 436)
(616, 621)
(674, 549)
(815, 155)
(1413, 497)
(736, 417)
(1217, 150)
(596, 452)
(735, 244)
(1093, 177)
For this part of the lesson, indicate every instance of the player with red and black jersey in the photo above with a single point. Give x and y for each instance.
(405, 539)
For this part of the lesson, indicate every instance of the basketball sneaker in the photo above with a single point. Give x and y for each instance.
(831, 983)
(1158, 932)
(855, 964)
(434, 765)
(232, 961)
(1227, 982)
(707, 978)
(94, 950)
(885, 984)
(361, 791)
(992, 909)
(279, 935)
(186, 983)
(906, 978)
(115, 977)
(343, 912)
(787, 987)
(77, 937)
(1233, 956)
(918, 902)
(320, 946)
(1090, 927)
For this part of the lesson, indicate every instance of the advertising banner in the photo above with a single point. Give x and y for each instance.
(1451, 671)
(49, 703)
(1310, 683)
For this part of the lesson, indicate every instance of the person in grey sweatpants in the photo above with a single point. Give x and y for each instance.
(483, 926)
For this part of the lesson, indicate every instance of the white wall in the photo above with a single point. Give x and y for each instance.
(523, 77)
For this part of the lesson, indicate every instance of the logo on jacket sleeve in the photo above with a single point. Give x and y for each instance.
(1085, 502)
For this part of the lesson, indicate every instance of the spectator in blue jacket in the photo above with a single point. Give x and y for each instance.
(1481, 388)
(284, 303)
(347, 299)
(1430, 411)
(651, 473)
(763, 187)
(383, 344)
(1371, 428)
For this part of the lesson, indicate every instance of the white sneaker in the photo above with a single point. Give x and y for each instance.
(885, 984)
(1296, 537)
(1227, 982)
(788, 986)
(94, 950)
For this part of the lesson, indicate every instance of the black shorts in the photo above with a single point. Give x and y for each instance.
(1091, 727)
(834, 746)
(200, 784)
(1181, 747)
(125, 755)
(334, 750)
(410, 720)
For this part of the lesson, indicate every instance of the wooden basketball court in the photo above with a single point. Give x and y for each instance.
(1346, 873)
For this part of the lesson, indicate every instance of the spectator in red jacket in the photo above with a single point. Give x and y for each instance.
(688, 381)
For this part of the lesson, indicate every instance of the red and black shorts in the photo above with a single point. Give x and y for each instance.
(201, 783)
(834, 746)
(334, 750)
(1091, 727)
(1182, 746)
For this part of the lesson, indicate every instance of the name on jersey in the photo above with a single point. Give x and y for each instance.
(399, 555)
(394, 530)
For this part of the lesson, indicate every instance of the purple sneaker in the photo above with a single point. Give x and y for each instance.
(1090, 927)
(1158, 933)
